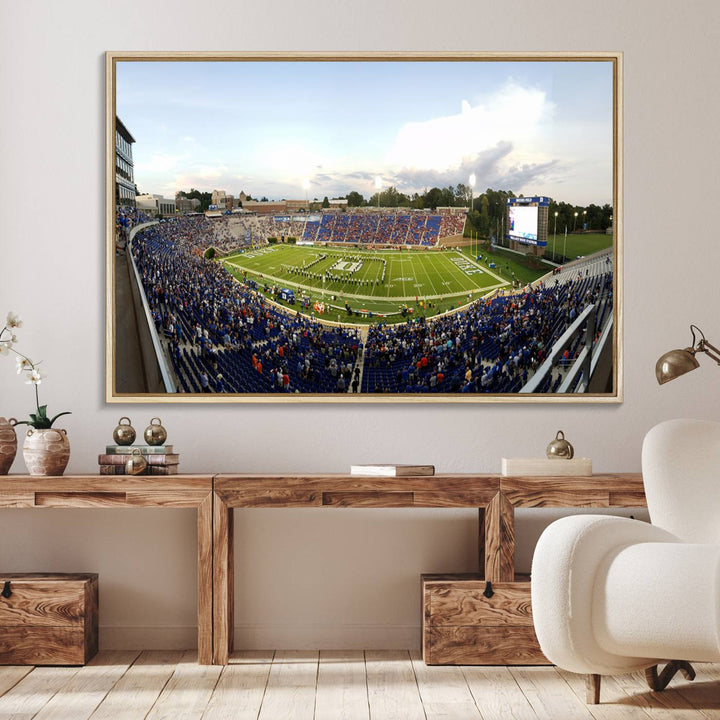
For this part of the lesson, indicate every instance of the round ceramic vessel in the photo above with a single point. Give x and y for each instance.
(8, 445)
(46, 452)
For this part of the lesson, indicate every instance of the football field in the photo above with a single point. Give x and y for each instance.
(372, 283)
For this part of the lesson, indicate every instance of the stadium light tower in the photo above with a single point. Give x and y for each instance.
(584, 219)
(306, 187)
(378, 185)
(554, 235)
(575, 221)
(472, 180)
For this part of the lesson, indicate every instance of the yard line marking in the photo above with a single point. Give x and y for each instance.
(431, 261)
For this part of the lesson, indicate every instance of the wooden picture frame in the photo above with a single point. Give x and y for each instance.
(428, 289)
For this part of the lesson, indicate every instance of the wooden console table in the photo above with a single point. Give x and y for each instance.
(495, 497)
(126, 491)
(215, 497)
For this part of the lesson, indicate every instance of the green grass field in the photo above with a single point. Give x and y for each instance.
(579, 244)
(507, 264)
(380, 282)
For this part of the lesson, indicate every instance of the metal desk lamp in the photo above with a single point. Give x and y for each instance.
(677, 362)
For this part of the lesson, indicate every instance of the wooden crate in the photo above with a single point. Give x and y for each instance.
(48, 618)
(461, 626)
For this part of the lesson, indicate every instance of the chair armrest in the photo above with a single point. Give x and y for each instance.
(565, 563)
(659, 600)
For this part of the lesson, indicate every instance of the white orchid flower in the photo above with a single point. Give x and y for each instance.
(29, 370)
(23, 364)
(35, 377)
(13, 320)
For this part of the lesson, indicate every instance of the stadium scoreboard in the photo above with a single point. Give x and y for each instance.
(527, 224)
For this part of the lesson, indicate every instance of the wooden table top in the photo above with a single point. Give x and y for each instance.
(324, 490)
(445, 490)
(104, 490)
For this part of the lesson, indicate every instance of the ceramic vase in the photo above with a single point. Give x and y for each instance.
(46, 452)
(8, 445)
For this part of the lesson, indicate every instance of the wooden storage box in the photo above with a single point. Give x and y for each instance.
(461, 626)
(48, 618)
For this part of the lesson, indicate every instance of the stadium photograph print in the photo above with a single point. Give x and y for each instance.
(364, 227)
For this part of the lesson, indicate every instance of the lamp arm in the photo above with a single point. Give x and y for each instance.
(710, 350)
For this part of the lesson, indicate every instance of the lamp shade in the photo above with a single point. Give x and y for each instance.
(675, 363)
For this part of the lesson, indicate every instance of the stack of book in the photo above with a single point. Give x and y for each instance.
(160, 459)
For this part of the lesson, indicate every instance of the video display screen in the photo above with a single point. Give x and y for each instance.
(523, 223)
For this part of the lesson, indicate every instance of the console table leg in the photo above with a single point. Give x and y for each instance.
(481, 541)
(500, 540)
(205, 581)
(223, 581)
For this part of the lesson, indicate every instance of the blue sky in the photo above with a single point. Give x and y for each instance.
(269, 127)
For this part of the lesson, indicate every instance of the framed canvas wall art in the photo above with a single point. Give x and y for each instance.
(364, 228)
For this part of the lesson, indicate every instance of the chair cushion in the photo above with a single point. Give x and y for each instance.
(659, 600)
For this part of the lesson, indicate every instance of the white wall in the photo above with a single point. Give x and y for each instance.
(334, 578)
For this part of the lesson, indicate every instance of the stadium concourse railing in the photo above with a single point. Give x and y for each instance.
(594, 361)
(151, 349)
(587, 361)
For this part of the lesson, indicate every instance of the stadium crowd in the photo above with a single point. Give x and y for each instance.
(220, 335)
(451, 223)
(125, 219)
(494, 346)
(278, 226)
(384, 227)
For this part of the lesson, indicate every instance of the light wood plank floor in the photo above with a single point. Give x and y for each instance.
(350, 685)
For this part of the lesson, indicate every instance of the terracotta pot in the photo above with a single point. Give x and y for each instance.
(46, 452)
(8, 444)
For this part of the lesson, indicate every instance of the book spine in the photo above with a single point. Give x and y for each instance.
(144, 449)
(149, 470)
(112, 469)
(419, 471)
(173, 459)
(162, 470)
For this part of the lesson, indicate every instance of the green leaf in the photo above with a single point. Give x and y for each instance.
(42, 411)
(67, 412)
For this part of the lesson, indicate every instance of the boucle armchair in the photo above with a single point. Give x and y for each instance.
(614, 595)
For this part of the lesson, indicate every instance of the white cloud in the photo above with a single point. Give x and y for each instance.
(287, 160)
(513, 114)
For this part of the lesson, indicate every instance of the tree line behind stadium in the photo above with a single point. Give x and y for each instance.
(488, 208)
